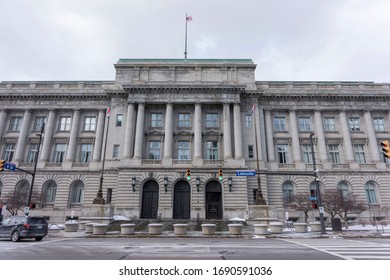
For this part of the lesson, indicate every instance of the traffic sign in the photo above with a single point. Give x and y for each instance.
(9, 166)
(245, 172)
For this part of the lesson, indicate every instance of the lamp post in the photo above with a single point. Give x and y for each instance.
(35, 167)
(259, 194)
(320, 208)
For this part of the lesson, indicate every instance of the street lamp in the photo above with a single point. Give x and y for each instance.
(259, 194)
(320, 208)
(35, 167)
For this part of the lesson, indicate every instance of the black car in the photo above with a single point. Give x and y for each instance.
(20, 227)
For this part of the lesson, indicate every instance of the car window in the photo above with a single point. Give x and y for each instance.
(6, 221)
(33, 220)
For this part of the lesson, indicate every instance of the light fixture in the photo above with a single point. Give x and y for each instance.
(197, 182)
(133, 179)
(166, 183)
(230, 183)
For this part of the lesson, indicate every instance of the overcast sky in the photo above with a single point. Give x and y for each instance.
(289, 40)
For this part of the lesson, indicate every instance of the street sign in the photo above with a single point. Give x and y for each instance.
(9, 166)
(312, 198)
(245, 172)
(321, 209)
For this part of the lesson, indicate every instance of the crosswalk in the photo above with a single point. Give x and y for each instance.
(350, 249)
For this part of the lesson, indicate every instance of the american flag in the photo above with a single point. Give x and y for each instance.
(253, 107)
(189, 18)
(108, 112)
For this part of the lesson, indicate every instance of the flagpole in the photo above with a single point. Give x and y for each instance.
(185, 45)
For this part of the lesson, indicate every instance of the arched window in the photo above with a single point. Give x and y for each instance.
(288, 191)
(370, 188)
(343, 187)
(77, 193)
(50, 193)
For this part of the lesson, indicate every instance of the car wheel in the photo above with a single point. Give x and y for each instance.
(15, 237)
(38, 238)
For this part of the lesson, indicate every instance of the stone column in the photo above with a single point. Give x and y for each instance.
(348, 150)
(198, 132)
(319, 131)
(47, 135)
(3, 116)
(227, 134)
(296, 147)
(129, 133)
(139, 133)
(237, 131)
(97, 149)
(168, 139)
(70, 156)
(270, 136)
(372, 141)
(23, 136)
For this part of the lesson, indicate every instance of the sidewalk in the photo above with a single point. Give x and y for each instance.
(352, 232)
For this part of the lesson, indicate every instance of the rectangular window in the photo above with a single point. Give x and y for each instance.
(59, 153)
(15, 123)
(211, 150)
(212, 120)
(65, 123)
(354, 124)
(330, 124)
(119, 120)
(109, 196)
(9, 150)
(155, 150)
(248, 120)
(359, 153)
(115, 151)
(282, 153)
(89, 123)
(279, 124)
(379, 124)
(307, 154)
(156, 120)
(85, 153)
(39, 121)
(184, 120)
(32, 151)
(250, 151)
(304, 124)
(334, 153)
(183, 150)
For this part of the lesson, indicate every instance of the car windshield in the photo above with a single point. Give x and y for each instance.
(6, 221)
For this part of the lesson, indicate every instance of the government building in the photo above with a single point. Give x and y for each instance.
(175, 139)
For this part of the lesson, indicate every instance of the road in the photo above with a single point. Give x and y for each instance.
(195, 249)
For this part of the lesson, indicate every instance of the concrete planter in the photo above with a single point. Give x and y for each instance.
(276, 227)
(315, 226)
(127, 228)
(82, 225)
(89, 227)
(261, 228)
(100, 229)
(235, 229)
(208, 229)
(300, 227)
(71, 226)
(155, 229)
(180, 229)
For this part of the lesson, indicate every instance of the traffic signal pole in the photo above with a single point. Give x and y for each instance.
(317, 180)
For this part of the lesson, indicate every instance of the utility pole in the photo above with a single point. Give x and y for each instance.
(317, 180)
(259, 194)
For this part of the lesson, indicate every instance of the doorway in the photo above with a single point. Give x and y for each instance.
(149, 205)
(182, 200)
(213, 200)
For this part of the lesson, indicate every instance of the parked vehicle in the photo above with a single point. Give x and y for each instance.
(20, 227)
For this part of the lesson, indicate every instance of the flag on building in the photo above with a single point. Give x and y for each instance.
(189, 18)
(253, 107)
(108, 112)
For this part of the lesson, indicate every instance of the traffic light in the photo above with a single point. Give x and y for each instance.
(314, 205)
(32, 205)
(386, 148)
(312, 193)
(220, 174)
(2, 161)
(188, 174)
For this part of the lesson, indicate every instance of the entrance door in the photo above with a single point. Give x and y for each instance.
(149, 206)
(181, 201)
(213, 200)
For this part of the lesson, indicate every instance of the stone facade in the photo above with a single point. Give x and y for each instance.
(167, 116)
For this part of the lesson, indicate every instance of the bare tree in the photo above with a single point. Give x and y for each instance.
(300, 202)
(335, 203)
(17, 200)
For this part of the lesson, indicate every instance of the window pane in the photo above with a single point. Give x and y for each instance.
(279, 123)
(184, 120)
(212, 120)
(304, 124)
